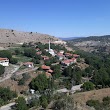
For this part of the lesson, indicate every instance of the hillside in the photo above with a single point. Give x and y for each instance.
(92, 43)
(13, 36)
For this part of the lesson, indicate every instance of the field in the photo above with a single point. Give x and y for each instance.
(81, 98)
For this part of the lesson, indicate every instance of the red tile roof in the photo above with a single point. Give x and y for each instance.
(60, 54)
(1, 59)
(69, 61)
(50, 71)
(68, 54)
(75, 55)
(44, 67)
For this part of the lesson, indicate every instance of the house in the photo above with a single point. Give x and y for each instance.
(65, 62)
(60, 56)
(32, 91)
(4, 61)
(39, 53)
(37, 49)
(47, 69)
(59, 42)
(62, 51)
(45, 57)
(68, 62)
(48, 75)
(44, 67)
(50, 71)
(68, 54)
(76, 56)
(29, 64)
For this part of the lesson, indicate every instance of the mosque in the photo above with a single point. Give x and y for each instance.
(51, 51)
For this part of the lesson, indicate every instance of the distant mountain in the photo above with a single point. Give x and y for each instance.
(70, 38)
(92, 43)
(104, 38)
(13, 36)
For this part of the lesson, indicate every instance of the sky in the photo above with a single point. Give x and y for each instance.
(60, 18)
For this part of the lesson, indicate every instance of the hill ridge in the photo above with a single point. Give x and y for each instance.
(14, 36)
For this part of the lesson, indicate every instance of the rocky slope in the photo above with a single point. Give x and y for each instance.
(13, 36)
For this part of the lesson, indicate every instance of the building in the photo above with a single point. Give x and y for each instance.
(76, 56)
(4, 61)
(59, 42)
(60, 56)
(45, 57)
(68, 62)
(68, 54)
(29, 64)
(44, 67)
(51, 51)
(48, 75)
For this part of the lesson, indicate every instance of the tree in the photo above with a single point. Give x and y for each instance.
(94, 103)
(56, 71)
(21, 104)
(40, 83)
(87, 86)
(5, 54)
(6, 95)
(13, 60)
(64, 103)
(29, 52)
(43, 101)
(2, 69)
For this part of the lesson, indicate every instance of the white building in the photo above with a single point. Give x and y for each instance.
(51, 51)
(29, 64)
(4, 61)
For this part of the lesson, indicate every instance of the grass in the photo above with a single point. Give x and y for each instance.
(22, 58)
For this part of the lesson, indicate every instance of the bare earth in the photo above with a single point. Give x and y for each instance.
(82, 98)
(18, 37)
(13, 85)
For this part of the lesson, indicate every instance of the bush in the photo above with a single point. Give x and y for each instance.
(87, 86)
(2, 69)
(5, 54)
(6, 95)
(21, 82)
(13, 60)
(43, 101)
(29, 52)
(21, 104)
(93, 103)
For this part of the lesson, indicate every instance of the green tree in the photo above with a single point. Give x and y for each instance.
(2, 69)
(40, 83)
(29, 52)
(21, 104)
(94, 103)
(6, 95)
(43, 101)
(13, 60)
(64, 103)
(87, 86)
(5, 54)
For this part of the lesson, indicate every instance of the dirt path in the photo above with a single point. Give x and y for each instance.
(9, 72)
(7, 107)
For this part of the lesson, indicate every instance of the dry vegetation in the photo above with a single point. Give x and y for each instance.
(82, 98)
(13, 85)
(8, 37)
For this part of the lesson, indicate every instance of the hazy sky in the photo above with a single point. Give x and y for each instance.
(60, 18)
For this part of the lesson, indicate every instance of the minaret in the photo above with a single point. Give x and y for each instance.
(49, 45)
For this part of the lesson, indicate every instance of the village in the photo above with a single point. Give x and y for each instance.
(49, 59)
(62, 58)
